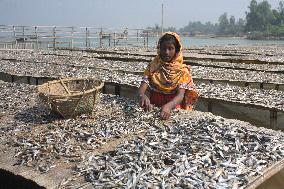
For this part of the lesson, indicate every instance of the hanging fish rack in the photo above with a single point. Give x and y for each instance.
(72, 37)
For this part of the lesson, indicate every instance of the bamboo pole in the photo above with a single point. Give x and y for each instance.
(36, 35)
(101, 36)
(72, 33)
(24, 40)
(109, 40)
(273, 119)
(137, 35)
(114, 39)
(54, 37)
(147, 39)
(162, 25)
(14, 35)
(86, 37)
(126, 39)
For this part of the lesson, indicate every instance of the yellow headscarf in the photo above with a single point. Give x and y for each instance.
(168, 76)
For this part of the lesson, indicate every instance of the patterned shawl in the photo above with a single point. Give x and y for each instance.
(168, 77)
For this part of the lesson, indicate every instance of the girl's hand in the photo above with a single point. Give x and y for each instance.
(165, 112)
(145, 102)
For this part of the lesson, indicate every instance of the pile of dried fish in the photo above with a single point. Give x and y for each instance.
(196, 151)
(73, 64)
(65, 57)
(73, 59)
(14, 97)
(246, 95)
(254, 67)
(42, 138)
(236, 75)
(266, 98)
(121, 146)
(264, 53)
(269, 54)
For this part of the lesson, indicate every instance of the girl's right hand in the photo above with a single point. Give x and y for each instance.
(145, 102)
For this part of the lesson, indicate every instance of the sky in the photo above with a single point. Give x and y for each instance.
(118, 13)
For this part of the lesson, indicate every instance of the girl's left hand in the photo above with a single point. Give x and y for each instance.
(165, 112)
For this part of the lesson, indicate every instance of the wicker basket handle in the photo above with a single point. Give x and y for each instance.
(65, 87)
(100, 86)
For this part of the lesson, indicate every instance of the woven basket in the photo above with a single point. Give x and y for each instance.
(71, 97)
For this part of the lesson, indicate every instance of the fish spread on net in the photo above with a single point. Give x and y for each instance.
(93, 60)
(250, 66)
(266, 98)
(188, 151)
(38, 135)
(193, 149)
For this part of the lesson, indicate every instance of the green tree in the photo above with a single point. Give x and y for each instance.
(252, 16)
(232, 25)
(172, 29)
(265, 15)
(281, 13)
(223, 24)
(198, 27)
(277, 17)
(260, 16)
(240, 26)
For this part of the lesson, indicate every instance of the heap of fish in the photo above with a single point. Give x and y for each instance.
(264, 53)
(53, 69)
(42, 138)
(190, 152)
(246, 95)
(266, 98)
(236, 75)
(121, 146)
(245, 66)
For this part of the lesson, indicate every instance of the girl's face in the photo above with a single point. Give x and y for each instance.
(167, 51)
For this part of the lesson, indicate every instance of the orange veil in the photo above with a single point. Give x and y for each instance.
(167, 77)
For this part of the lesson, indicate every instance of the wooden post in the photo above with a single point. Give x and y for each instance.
(144, 41)
(209, 108)
(109, 40)
(273, 119)
(114, 38)
(54, 37)
(162, 24)
(157, 38)
(104, 89)
(137, 35)
(72, 33)
(36, 37)
(117, 89)
(14, 35)
(126, 33)
(101, 36)
(24, 40)
(147, 39)
(29, 79)
(86, 38)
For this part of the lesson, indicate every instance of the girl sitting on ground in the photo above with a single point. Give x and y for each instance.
(168, 79)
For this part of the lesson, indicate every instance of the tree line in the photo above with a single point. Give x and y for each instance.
(261, 21)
